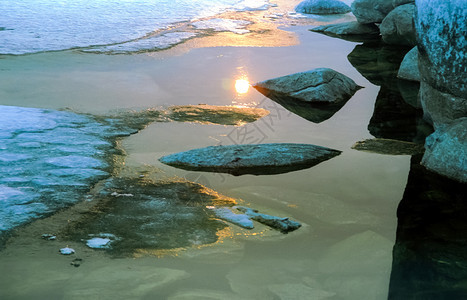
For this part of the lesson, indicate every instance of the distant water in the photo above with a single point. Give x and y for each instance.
(30, 26)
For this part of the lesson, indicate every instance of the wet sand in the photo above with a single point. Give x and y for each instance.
(347, 205)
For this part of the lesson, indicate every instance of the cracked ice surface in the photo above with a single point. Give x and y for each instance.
(48, 159)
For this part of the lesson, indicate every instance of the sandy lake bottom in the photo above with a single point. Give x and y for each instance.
(347, 205)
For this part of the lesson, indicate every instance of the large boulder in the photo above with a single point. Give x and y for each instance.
(439, 107)
(442, 45)
(315, 95)
(322, 7)
(409, 66)
(371, 11)
(322, 85)
(446, 150)
(398, 28)
(257, 159)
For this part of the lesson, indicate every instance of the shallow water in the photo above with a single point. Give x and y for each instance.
(347, 205)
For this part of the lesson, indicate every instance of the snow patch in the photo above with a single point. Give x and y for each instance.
(226, 214)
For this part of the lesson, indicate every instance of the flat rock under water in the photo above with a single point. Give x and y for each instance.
(213, 114)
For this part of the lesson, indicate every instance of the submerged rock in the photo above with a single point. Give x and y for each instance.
(389, 147)
(409, 66)
(321, 85)
(211, 114)
(259, 159)
(398, 27)
(353, 31)
(164, 214)
(371, 11)
(322, 7)
(446, 150)
(284, 225)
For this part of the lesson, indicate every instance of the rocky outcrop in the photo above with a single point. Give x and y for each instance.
(442, 49)
(398, 28)
(446, 150)
(322, 7)
(259, 159)
(371, 11)
(321, 85)
(409, 66)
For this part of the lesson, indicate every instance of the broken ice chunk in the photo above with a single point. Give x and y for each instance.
(98, 243)
(226, 214)
(67, 251)
(284, 225)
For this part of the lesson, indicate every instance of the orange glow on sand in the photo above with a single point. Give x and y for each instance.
(242, 86)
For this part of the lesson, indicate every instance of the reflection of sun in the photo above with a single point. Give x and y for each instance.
(242, 86)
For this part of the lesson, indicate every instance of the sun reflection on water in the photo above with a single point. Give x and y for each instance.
(242, 85)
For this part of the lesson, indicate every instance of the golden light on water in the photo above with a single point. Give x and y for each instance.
(242, 86)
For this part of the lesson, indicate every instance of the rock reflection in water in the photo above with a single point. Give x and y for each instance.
(144, 214)
(393, 118)
(397, 114)
(430, 257)
(376, 61)
(314, 112)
